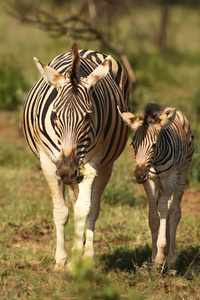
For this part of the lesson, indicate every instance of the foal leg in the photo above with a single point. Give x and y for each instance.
(99, 185)
(175, 216)
(154, 220)
(163, 206)
(60, 211)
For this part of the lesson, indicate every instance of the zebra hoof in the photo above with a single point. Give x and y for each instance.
(59, 268)
(71, 268)
(60, 264)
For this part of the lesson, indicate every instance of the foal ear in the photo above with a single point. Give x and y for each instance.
(130, 119)
(165, 120)
(98, 74)
(50, 75)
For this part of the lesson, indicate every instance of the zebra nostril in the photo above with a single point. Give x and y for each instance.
(67, 174)
(75, 174)
(63, 176)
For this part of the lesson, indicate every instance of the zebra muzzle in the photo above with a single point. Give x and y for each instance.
(140, 174)
(67, 170)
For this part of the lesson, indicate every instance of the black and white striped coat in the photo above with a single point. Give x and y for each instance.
(72, 125)
(163, 146)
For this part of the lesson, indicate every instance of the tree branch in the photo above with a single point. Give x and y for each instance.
(74, 26)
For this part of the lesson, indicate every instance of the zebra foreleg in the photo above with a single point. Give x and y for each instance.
(73, 193)
(164, 204)
(81, 212)
(60, 211)
(99, 185)
(154, 220)
(162, 237)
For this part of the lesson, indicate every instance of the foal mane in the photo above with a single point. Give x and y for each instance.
(151, 112)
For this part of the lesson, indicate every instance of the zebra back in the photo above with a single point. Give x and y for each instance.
(177, 140)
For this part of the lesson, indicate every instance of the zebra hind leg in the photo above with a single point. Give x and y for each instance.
(60, 211)
(99, 185)
(175, 217)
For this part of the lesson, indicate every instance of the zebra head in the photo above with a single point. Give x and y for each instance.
(72, 114)
(146, 136)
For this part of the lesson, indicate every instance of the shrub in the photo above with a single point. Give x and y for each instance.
(12, 83)
(194, 174)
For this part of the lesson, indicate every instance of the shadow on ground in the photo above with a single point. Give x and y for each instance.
(124, 259)
(188, 262)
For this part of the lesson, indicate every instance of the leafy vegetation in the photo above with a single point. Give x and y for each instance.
(12, 84)
(123, 267)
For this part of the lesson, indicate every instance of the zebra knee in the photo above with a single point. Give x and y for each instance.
(154, 222)
(61, 215)
(162, 243)
(82, 208)
(163, 205)
(175, 213)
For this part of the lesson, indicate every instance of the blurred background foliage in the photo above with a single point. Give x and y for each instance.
(158, 41)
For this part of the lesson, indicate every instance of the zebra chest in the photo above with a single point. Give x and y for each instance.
(162, 167)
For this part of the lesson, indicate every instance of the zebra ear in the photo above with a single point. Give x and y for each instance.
(50, 75)
(98, 74)
(130, 119)
(166, 119)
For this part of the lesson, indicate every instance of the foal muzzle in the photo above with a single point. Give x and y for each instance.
(140, 174)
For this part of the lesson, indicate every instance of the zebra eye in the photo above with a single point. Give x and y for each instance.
(88, 116)
(54, 115)
(154, 146)
(132, 144)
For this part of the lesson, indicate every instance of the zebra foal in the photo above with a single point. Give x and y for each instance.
(71, 123)
(163, 147)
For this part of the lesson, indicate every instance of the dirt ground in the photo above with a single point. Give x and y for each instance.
(11, 132)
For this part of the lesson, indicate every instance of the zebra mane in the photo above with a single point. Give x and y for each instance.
(151, 112)
(74, 75)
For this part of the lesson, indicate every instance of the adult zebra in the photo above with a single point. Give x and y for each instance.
(71, 124)
(163, 146)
